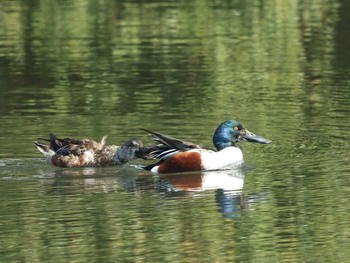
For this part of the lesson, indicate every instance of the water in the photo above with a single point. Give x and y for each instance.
(89, 68)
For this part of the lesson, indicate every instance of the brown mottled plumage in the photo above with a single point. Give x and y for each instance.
(69, 152)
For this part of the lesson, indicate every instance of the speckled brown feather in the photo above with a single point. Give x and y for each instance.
(69, 152)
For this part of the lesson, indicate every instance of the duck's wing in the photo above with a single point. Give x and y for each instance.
(69, 146)
(168, 146)
(171, 142)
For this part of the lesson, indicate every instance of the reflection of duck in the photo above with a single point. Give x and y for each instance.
(227, 184)
(81, 153)
(94, 179)
(228, 180)
(229, 204)
(180, 156)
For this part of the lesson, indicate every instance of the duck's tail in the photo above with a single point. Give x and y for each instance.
(149, 167)
(144, 167)
(45, 150)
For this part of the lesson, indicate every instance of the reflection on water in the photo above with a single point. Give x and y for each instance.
(227, 184)
(230, 180)
(118, 208)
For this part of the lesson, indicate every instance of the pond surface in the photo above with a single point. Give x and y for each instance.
(88, 68)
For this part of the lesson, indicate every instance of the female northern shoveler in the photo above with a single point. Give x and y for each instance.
(180, 156)
(79, 153)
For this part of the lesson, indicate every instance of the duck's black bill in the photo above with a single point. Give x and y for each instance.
(251, 137)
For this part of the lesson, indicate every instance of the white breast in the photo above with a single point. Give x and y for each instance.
(217, 160)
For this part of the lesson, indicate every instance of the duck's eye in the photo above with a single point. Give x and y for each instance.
(236, 128)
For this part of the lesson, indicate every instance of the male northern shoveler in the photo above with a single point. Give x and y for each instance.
(69, 152)
(180, 156)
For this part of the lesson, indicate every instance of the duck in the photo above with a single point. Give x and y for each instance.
(69, 152)
(178, 156)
